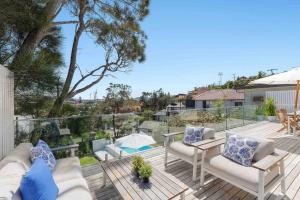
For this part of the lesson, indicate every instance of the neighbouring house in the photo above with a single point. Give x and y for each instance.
(174, 108)
(190, 102)
(161, 116)
(230, 97)
(283, 95)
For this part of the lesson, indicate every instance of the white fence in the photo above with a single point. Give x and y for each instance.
(284, 99)
(6, 111)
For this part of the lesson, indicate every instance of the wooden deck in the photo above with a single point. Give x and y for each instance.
(216, 189)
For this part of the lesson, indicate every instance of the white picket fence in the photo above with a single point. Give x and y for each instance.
(284, 99)
(6, 111)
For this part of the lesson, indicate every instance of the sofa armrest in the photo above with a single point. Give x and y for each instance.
(172, 134)
(213, 144)
(270, 160)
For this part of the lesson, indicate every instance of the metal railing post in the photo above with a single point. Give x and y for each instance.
(243, 115)
(226, 117)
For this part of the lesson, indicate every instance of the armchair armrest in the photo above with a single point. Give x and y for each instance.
(270, 160)
(213, 144)
(172, 134)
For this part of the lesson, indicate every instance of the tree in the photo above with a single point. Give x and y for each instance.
(36, 71)
(156, 100)
(240, 82)
(115, 26)
(117, 94)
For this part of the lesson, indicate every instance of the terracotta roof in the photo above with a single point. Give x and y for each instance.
(225, 94)
(197, 91)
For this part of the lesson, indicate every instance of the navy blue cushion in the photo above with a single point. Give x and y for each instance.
(240, 149)
(42, 150)
(38, 183)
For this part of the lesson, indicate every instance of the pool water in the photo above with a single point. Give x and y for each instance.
(131, 150)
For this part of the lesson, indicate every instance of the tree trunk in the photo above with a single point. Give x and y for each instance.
(36, 35)
(57, 106)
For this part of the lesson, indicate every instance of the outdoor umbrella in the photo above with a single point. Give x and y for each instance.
(135, 141)
(291, 77)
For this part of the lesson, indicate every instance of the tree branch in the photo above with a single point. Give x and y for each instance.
(65, 22)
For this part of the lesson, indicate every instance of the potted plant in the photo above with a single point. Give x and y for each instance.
(270, 109)
(146, 172)
(260, 111)
(137, 164)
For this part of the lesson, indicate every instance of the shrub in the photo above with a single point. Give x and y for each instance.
(146, 171)
(270, 108)
(260, 110)
(137, 163)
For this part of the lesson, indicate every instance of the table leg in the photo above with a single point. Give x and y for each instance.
(202, 172)
(104, 179)
(182, 196)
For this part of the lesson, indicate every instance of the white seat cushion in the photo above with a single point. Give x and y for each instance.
(183, 151)
(74, 189)
(10, 180)
(186, 152)
(240, 175)
(66, 169)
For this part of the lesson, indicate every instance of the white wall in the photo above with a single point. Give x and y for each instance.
(283, 99)
(250, 93)
(6, 111)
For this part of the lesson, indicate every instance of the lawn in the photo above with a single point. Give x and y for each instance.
(88, 160)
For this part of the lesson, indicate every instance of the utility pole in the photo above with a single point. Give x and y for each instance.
(220, 74)
(234, 76)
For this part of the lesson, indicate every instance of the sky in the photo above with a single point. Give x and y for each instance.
(190, 42)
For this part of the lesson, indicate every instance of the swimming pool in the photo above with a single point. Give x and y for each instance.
(131, 150)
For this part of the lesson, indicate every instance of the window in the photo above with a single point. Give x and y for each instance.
(238, 103)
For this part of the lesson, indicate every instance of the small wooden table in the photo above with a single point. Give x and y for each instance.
(160, 186)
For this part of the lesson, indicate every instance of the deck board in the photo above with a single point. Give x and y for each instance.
(216, 188)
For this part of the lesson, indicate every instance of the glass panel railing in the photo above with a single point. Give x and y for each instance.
(82, 130)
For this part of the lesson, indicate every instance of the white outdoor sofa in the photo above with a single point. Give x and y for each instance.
(266, 171)
(189, 153)
(67, 175)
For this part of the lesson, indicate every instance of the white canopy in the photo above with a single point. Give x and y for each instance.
(135, 141)
(285, 78)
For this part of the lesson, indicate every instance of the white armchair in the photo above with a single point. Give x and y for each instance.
(258, 179)
(189, 153)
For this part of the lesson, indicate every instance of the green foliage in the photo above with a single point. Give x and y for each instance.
(270, 109)
(102, 135)
(88, 160)
(147, 114)
(69, 109)
(81, 125)
(156, 100)
(219, 104)
(145, 171)
(260, 110)
(116, 95)
(240, 82)
(207, 117)
(176, 121)
(137, 162)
